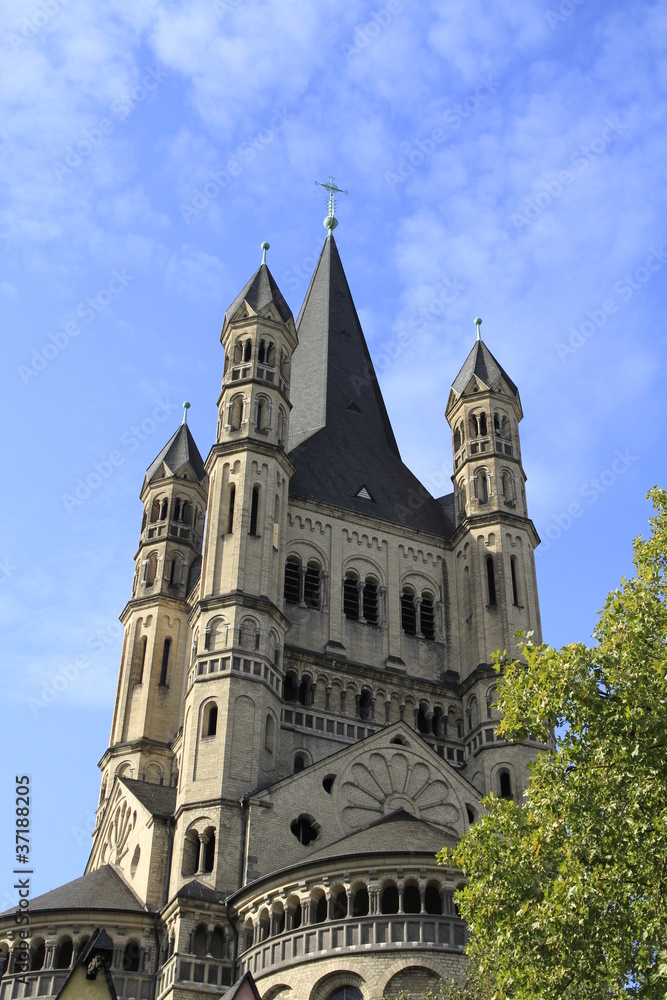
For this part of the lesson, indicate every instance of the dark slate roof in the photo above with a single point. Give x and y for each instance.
(260, 290)
(196, 890)
(339, 425)
(179, 449)
(401, 832)
(102, 889)
(160, 800)
(481, 362)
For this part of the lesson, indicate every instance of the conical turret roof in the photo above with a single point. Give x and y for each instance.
(341, 440)
(481, 363)
(258, 293)
(179, 450)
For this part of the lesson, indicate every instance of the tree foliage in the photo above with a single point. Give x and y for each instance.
(566, 894)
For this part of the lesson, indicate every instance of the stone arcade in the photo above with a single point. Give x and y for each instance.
(305, 705)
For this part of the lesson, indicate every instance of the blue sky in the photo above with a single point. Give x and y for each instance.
(503, 160)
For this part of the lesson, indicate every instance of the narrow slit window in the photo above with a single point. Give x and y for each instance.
(351, 598)
(254, 510)
(491, 579)
(408, 613)
(515, 583)
(427, 617)
(292, 575)
(231, 499)
(165, 662)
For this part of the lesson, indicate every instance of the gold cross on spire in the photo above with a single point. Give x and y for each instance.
(331, 221)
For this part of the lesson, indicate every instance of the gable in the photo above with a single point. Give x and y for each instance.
(354, 789)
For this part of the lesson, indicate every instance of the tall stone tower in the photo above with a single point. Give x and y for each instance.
(305, 707)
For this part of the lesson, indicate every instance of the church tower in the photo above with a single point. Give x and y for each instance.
(233, 691)
(148, 708)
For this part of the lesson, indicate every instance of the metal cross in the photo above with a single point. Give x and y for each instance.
(331, 222)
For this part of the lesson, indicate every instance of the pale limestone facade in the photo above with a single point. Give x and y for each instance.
(304, 712)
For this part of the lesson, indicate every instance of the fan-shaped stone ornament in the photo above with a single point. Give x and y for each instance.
(385, 781)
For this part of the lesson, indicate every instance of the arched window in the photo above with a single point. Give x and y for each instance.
(209, 852)
(231, 500)
(457, 439)
(412, 902)
(254, 510)
(481, 486)
(389, 899)
(37, 954)
(507, 483)
(427, 616)
(165, 662)
(235, 412)
(199, 940)
(164, 507)
(360, 902)
(311, 585)
(304, 696)
(151, 569)
(269, 733)
(299, 763)
(491, 580)
(141, 660)
(282, 426)
(515, 580)
(262, 414)
(474, 428)
(291, 688)
(432, 900)
(370, 600)
(351, 597)
(131, 957)
(463, 496)
(482, 424)
(408, 612)
(190, 854)
(422, 720)
(321, 909)
(339, 907)
(365, 702)
(218, 943)
(505, 785)
(292, 584)
(63, 958)
(210, 726)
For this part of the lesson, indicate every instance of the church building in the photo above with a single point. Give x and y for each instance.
(305, 711)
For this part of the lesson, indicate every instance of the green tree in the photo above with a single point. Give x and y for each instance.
(567, 891)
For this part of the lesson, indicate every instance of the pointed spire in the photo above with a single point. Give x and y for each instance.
(340, 436)
(179, 450)
(260, 291)
(482, 364)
